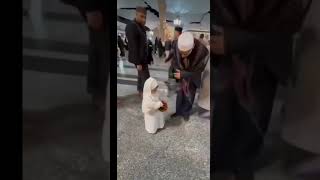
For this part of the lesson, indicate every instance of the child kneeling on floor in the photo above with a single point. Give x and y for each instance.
(152, 106)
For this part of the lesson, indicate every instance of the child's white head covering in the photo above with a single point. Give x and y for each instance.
(149, 85)
(149, 99)
(185, 41)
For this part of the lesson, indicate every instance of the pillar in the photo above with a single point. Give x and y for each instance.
(162, 18)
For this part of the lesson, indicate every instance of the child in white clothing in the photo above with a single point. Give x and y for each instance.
(152, 106)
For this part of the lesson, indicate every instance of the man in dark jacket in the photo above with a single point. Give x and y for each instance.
(96, 15)
(138, 50)
(191, 59)
(252, 46)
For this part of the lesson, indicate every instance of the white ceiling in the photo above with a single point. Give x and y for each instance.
(187, 10)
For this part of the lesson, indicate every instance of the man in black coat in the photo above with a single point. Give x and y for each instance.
(252, 45)
(95, 14)
(138, 49)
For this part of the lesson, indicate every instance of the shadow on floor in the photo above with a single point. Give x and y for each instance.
(174, 122)
(126, 100)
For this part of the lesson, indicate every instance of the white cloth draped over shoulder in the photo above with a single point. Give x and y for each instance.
(204, 95)
(154, 119)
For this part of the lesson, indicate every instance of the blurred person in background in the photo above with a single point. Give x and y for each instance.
(150, 50)
(167, 47)
(301, 128)
(96, 15)
(160, 48)
(254, 55)
(121, 47)
(155, 45)
(203, 41)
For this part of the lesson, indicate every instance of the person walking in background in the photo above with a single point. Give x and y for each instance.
(138, 50)
(150, 50)
(167, 47)
(126, 43)
(203, 41)
(121, 47)
(155, 45)
(163, 49)
(96, 15)
(160, 48)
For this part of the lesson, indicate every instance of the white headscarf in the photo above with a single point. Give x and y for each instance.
(149, 99)
(149, 85)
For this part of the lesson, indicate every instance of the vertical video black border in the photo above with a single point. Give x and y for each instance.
(113, 87)
(211, 92)
(11, 77)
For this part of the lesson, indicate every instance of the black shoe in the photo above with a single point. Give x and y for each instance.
(186, 118)
(175, 115)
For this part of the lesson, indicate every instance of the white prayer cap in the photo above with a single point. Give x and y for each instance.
(185, 41)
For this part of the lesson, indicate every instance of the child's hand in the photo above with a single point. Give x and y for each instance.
(164, 107)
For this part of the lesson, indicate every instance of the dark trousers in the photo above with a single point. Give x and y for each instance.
(98, 65)
(237, 133)
(143, 75)
(170, 72)
(184, 103)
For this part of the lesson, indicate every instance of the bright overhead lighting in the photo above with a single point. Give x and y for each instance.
(177, 22)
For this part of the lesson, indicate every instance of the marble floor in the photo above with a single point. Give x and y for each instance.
(180, 151)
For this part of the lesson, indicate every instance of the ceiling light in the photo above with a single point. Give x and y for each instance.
(177, 22)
